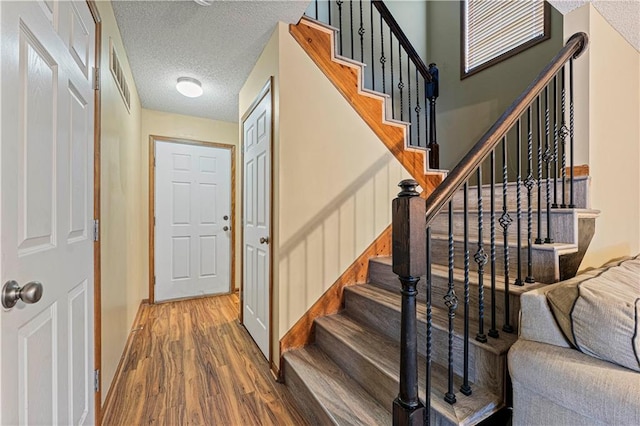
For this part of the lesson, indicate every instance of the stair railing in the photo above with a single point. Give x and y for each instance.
(543, 112)
(368, 33)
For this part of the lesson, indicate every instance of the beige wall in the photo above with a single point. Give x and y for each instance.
(158, 123)
(607, 133)
(334, 180)
(467, 108)
(122, 204)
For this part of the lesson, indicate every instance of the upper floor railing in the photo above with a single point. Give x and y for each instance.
(368, 33)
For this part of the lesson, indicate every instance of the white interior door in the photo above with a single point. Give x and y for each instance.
(47, 211)
(257, 223)
(193, 226)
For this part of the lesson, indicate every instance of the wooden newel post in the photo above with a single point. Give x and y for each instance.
(409, 263)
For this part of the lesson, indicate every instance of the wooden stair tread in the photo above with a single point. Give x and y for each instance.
(440, 317)
(344, 401)
(442, 271)
(384, 353)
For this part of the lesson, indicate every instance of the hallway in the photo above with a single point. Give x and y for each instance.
(192, 363)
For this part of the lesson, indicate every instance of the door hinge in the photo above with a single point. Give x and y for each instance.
(96, 78)
(96, 380)
(96, 230)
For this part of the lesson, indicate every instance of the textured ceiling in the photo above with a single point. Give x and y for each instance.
(623, 15)
(217, 44)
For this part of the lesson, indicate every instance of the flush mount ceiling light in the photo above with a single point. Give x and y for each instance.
(189, 87)
(204, 2)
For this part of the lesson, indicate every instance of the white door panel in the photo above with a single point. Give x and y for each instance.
(257, 226)
(48, 51)
(193, 197)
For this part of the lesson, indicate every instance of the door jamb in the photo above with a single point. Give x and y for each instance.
(267, 90)
(152, 204)
(97, 285)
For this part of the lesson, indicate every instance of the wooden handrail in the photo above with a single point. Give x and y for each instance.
(480, 151)
(402, 38)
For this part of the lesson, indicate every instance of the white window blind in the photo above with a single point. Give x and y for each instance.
(494, 27)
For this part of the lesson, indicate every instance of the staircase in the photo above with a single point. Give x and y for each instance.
(490, 237)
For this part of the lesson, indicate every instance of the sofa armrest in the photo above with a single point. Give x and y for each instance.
(536, 319)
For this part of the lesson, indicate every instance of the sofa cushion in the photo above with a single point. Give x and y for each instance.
(599, 315)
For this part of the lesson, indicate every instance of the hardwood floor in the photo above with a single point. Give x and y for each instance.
(192, 363)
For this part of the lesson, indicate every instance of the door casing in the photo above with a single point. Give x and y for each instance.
(152, 204)
(267, 90)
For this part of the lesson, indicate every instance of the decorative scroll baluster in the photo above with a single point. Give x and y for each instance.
(427, 401)
(409, 263)
(451, 301)
(400, 83)
(417, 110)
(361, 34)
(571, 134)
(493, 331)
(519, 201)
(505, 221)
(339, 3)
(481, 259)
(564, 132)
(539, 239)
(465, 388)
(433, 89)
(383, 59)
(373, 68)
(555, 142)
(547, 157)
(529, 183)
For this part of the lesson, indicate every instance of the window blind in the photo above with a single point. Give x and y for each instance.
(494, 27)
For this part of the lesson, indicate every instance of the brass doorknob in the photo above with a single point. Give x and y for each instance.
(11, 293)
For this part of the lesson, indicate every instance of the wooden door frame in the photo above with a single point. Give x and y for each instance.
(267, 90)
(152, 204)
(97, 296)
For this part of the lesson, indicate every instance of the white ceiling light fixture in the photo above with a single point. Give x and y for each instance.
(189, 87)
(204, 2)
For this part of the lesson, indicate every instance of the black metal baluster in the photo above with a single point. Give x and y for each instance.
(417, 110)
(329, 11)
(481, 259)
(434, 153)
(373, 71)
(339, 3)
(383, 59)
(555, 142)
(547, 156)
(529, 183)
(409, 99)
(518, 280)
(564, 132)
(505, 221)
(571, 134)
(451, 301)
(400, 83)
(539, 239)
(316, 6)
(392, 87)
(351, 32)
(361, 34)
(493, 331)
(427, 401)
(465, 388)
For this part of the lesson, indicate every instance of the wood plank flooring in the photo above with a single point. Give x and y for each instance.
(192, 363)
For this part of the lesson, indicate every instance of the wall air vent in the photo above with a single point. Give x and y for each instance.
(118, 75)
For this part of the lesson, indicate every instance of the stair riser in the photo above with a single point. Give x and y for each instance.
(387, 321)
(580, 195)
(382, 387)
(440, 226)
(310, 407)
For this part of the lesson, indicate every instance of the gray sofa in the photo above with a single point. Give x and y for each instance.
(576, 360)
